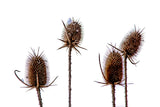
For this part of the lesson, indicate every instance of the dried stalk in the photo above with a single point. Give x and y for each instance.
(113, 95)
(125, 72)
(39, 96)
(69, 75)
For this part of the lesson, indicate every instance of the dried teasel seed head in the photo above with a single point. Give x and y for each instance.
(131, 44)
(113, 70)
(37, 69)
(74, 32)
(72, 35)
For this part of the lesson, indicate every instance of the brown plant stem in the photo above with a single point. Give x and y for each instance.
(69, 76)
(38, 91)
(113, 95)
(125, 71)
(39, 96)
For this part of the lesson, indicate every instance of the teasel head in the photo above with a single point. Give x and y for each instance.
(37, 71)
(132, 43)
(113, 68)
(72, 35)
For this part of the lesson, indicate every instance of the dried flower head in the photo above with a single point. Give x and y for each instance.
(131, 44)
(37, 69)
(73, 31)
(37, 74)
(72, 34)
(113, 69)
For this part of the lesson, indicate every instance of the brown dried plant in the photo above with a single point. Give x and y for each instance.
(71, 38)
(37, 74)
(113, 71)
(130, 46)
(72, 35)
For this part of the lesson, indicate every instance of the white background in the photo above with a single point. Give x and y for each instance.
(26, 24)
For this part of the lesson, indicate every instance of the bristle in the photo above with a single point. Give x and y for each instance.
(113, 68)
(132, 43)
(37, 65)
(73, 32)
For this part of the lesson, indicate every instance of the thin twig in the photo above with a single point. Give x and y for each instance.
(69, 76)
(113, 95)
(39, 96)
(125, 71)
(38, 91)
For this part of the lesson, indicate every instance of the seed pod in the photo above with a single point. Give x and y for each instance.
(113, 70)
(37, 74)
(73, 32)
(37, 70)
(131, 44)
(72, 35)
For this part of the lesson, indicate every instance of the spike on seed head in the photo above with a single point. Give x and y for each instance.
(37, 69)
(132, 43)
(113, 70)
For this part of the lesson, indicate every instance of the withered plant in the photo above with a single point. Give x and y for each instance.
(130, 46)
(37, 75)
(71, 38)
(113, 71)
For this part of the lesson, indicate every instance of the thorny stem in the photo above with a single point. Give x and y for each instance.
(69, 64)
(39, 96)
(125, 71)
(38, 91)
(113, 95)
(125, 68)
